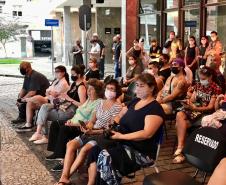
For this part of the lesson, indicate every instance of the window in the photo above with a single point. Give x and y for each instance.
(149, 20)
(148, 6)
(216, 1)
(216, 16)
(191, 24)
(191, 2)
(171, 4)
(14, 13)
(172, 22)
(19, 13)
(0, 9)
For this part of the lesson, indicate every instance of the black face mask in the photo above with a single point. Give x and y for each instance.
(175, 70)
(74, 78)
(23, 71)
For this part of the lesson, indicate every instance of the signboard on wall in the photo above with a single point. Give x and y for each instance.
(190, 24)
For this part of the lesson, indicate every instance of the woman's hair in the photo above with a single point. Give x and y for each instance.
(134, 57)
(97, 85)
(209, 72)
(206, 71)
(63, 69)
(154, 63)
(149, 80)
(192, 37)
(79, 69)
(117, 87)
(165, 56)
(207, 40)
(93, 59)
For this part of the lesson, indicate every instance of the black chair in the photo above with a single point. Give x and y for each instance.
(170, 178)
(204, 149)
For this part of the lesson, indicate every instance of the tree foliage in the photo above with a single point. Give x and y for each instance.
(8, 31)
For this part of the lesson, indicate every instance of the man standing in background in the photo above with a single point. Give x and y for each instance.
(102, 54)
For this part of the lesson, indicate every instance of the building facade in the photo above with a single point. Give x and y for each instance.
(185, 17)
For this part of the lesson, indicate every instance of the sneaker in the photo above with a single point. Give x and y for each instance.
(53, 157)
(35, 137)
(24, 128)
(58, 168)
(18, 121)
(41, 141)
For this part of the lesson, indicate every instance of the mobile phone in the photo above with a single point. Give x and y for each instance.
(182, 101)
(82, 124)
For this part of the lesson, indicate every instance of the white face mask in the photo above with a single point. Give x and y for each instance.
(110, 94)
(131, 62)
(204, 82)
(141, 93)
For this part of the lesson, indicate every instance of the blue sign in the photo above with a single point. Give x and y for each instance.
(190, 24)
(51, 22)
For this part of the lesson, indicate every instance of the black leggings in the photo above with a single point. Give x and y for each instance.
(59, 135)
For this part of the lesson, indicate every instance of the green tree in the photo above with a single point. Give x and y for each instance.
(8, 31)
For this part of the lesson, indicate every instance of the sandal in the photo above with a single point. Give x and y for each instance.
(179, 159)
(177, 152)
(63, 183)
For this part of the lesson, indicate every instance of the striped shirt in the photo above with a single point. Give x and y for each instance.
(105, 117)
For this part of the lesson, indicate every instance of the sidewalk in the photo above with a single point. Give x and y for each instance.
(43, 65)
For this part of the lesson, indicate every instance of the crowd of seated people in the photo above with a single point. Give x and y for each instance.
(90, 121)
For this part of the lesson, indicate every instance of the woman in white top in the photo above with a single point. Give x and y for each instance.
(60, 85)
(102, 118)
(95, 50)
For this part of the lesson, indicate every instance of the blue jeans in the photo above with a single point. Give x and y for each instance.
(117, 68)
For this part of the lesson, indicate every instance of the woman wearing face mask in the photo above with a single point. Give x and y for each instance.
(93, 71)
(191, 55)
(136, 51)
(75, 97)
(153, 69)
(58, 86)
(133, 71)
(140, 126)
(199, 104)
(103, 116)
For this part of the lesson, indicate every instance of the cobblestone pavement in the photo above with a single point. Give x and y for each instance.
(22, 163)
(19, 165)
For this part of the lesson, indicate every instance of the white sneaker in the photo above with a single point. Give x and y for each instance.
(41, 141)
(35, 137)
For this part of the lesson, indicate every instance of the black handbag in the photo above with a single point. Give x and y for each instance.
(122, 162)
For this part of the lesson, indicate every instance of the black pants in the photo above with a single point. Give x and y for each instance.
(22, 110)
(59, 135)
(101, 67)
